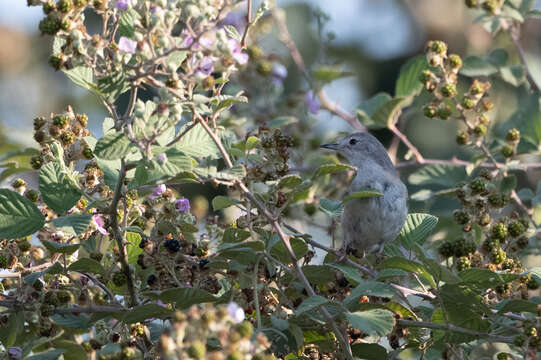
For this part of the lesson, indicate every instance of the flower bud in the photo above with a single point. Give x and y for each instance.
(444, 112)
(508, 151)
(480, 130)
(455, 61)
(430, 111)
(462, 137)
(449, 90)
(513, 136)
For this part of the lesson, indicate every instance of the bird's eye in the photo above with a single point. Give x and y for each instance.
(353, 141)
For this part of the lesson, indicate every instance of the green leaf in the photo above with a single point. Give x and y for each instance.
(361, 195)
(232, 32)
(368, 288)
(369, 351)
(443, 175)
(56, 247)
(417, 229)
(74, 351)
(311, 303)
(518, 306)
(290, 181)
(71, 320)
(73, 224)
(126, 23)
(327, 73)
(197, 143)
(186, 297)
(369, 107)
(113, 146)
(19, 217)
(350, 273)
(486, 278)
(237, 172)
(476, 66)
(408, 83)
(409, 266)
(319, 274)
(112, 85)
(152, 171)
(86, 265)
(513, 74)
(279, 250)
(332, 168)
(508, 184)
(54, 269)
(145, 312)
(13, 328)
(57, 190)
(281, 121)
(226, 101)
(234, 235)
(175, 59)
(222, 202)
(81, 76)
(132, 248)
(377, 322)
(331, 208)
(47, 355)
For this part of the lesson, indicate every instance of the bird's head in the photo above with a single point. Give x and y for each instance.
(362, 148)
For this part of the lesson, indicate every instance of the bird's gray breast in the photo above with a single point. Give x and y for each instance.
(374, 220)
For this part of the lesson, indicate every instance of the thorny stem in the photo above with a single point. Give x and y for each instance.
(117, 234)
(248, 23)
(514, 34)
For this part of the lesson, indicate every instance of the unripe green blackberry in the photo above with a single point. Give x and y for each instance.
(462, 137)
(254, 52)
(504, 356)
(80, 3)
(310, 209)
(461, 217)
(478, 186)
(516, 228)
(17, 183)
(61, 121)
(430, 111)
(455, 61)
(64, 5)
(137, 329)
(498, 255)
(519, 340)
(54, 131)
(438, 47)
(491, 244)
(48, 7)
(128, 353)
(483, 119)
(497, 200)
(3, 261)
(87, 153)
(513, 136)
(50, 25)
(487, 105)
(508, 264)
(31, 195)
(119, 278)
(46, 310)
(197, 350)
(82, 119)
(463, 263)
(56, 62)
(492, 6)
(485, 174)
(444, 112)
(449, 90)
(425, 76)
(484, 220)
(480, 130)
(67, 138)
(532, 283)
(463, 247)
(40, 136)
(468, 103)
(65, 297)
(235, 355)
(65, 24)
(446, 249)
(523, 242)
(472, 3)
(508, 151)
(264, 67)
(50, 298)
(245, 329)
(498, 231)
(39, 122)
(530, 331)
(24, 246)
(38, 285)
(503, 289)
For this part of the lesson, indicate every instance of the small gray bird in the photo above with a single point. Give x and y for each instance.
(371, 221)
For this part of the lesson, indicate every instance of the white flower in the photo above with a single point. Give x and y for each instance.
(236, 312)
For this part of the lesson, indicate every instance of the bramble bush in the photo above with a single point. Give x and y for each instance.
(107, 260)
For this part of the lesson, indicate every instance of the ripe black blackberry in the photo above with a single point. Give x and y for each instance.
(172, 245)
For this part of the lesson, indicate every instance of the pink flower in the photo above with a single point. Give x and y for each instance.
(205, 66)
(311, 102)
(236, 52)
(188, 39)
(98, 221)
(126, 45)
(158, 191)
(162, 158)
(182, 205)
(236, 312)
(206, 42)
(122, 5)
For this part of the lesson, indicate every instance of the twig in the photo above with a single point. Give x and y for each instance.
(335, 109)
(248, 23)
(256, 293)
(454, 328)
(514, 34)
(418, 157)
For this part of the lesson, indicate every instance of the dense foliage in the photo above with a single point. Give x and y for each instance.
(109, 258)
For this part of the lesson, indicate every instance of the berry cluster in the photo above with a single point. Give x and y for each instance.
(272, 158)
(442, 83)
(492, 7)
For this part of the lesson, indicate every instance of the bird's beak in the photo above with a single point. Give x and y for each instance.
(330, 146)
